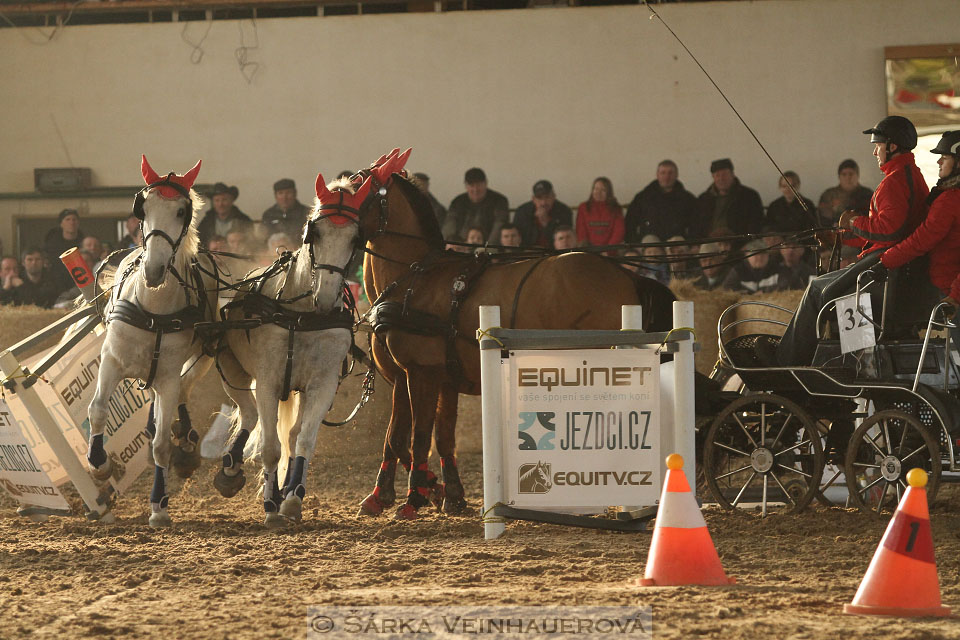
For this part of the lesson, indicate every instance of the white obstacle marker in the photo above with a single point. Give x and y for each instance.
(573, 426)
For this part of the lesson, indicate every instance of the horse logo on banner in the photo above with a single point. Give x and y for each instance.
(534, 478)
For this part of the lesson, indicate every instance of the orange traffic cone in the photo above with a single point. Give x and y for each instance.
(681, 551)
(902, 577)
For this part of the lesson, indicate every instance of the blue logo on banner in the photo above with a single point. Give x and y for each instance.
(536, 430)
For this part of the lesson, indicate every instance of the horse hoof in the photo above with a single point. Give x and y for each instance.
(406, 511)
(454, 506)
(437, 495)
(371, 506)
(292, 509)
(160, 520)
(274, 520)
(104, 472)
(229, 486)
(185, 463)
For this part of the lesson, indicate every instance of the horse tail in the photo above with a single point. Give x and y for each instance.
(286, 421)
(657, 301)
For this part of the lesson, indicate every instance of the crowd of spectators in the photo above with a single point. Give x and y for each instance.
(665, 233)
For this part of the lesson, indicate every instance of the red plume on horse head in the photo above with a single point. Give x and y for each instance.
(393, 164)
(186, 180)
(333, 200)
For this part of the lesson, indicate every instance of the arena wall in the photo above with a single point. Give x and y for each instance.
(563, 93)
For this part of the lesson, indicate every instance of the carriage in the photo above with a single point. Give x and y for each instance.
(859, 421)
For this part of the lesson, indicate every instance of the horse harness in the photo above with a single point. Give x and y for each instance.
(385, 315)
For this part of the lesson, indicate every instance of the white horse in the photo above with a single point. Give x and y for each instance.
(301, 333)
(157, 298)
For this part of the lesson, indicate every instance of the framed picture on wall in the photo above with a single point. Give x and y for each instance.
(923, 84)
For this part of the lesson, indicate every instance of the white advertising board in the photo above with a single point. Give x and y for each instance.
(21, 474)
(581, 428)
(125, 438)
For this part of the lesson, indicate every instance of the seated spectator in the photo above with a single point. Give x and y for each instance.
(475, 235)
(92, 245)
(454, 243)
(848, 195)
(600, 218)
(795, 271)
(132, 238)
(217, 243)
(509, 236)
(58, 240)
(287, 215)
(727, 206)
(754, 274)
(653, 265)
(680, 264)
(786, 214)
(664, 208)
(713, 267)
(540, 217)
(563, 238)
(439, 211)
(632, 262)
(238, 242)
(9, 273)
(223, 217)
(37, 285)
(478, 207)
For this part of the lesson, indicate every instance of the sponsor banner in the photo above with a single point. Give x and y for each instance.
(21, 474)
(125, 437)
(28, 426)
(503, 621)
(582, 428)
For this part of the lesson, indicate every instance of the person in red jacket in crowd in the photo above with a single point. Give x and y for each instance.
(600, 218)
(898, 207)
(940, 233)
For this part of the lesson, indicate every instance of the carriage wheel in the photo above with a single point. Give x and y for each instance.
(881, 452)
(763, 449)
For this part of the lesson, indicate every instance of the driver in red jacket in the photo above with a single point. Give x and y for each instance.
(940, 233)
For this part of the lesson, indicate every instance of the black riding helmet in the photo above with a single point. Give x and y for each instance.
(897, 130)
(949, 144)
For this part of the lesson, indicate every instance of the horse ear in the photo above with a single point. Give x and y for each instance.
(191, 176)
(361, 193)
(321, 186)
(149, 175)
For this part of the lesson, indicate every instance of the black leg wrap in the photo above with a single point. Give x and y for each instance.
(295, 484)
(418, 483)
(158, 496)
(96, 455)
(185, 433)
(151, 422)
(271, 492)
(235, 454)
(451, 480)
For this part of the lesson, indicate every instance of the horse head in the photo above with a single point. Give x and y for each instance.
(332, 233)
(165, 209)
(544, 475)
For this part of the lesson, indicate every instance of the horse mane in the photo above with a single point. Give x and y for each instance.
(422, 209)
(191, 241)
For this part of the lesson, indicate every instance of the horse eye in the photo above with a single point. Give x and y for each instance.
(181, 212)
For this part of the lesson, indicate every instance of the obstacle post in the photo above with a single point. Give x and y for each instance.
(80, 272)
(490, 402)
(684, 411)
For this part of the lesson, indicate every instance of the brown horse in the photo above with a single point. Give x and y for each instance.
(426, 313)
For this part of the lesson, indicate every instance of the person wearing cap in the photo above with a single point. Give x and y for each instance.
(897, 208)
(538, 218)
(727, 204)
(478, 207)
(756, 273)
(600, 218)
(287, 215)
(663, 208)
(423, 183)
(789, 214)
(65, 236)
(849, 194)
(223, 216)
(939, 235)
